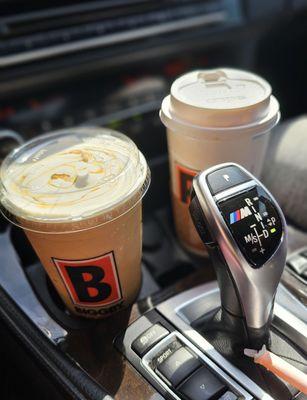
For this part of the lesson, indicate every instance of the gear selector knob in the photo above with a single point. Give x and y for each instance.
(245, 231)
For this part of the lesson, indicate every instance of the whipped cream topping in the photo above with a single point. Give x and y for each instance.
(73, 181)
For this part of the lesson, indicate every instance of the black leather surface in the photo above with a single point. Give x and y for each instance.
(226, 333)
(65, 374)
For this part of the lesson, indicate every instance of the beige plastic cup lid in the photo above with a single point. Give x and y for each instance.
(222, 97)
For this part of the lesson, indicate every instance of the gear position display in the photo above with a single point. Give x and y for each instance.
(254, 223)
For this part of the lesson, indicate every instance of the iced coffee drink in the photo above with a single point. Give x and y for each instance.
(77, 195)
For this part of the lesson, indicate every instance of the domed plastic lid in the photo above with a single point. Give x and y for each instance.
(220, 98)
(57, 179)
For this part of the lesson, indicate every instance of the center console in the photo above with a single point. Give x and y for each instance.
(177, 359)
(204, 357)
(159, 347)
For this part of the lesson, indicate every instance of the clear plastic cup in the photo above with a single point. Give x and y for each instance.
(212, 117)
(77, 194)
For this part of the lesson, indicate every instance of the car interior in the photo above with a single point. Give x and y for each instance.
(110, 63)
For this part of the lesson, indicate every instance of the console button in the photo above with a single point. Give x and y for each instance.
(167, 352)
(226, 178)
(178, 366)
(297, 263)
(148, 339)
(228, 396)
(304, 274)
(202, 385)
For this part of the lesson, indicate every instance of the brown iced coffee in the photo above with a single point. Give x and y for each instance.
(77, 195)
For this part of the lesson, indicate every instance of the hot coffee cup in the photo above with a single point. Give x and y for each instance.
(212, 117)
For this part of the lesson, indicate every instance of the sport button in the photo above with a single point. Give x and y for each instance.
(178, 366)
(148, 339)
(226, 178)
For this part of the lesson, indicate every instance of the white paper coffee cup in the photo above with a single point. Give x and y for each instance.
(214, 116)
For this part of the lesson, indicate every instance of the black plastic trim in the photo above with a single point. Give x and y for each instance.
(64, 372)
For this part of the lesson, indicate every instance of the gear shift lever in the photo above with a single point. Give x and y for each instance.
(245, 231)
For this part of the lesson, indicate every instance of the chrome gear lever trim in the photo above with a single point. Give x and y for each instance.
(246, 234)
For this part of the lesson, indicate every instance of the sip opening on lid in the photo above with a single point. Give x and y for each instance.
(220, 99)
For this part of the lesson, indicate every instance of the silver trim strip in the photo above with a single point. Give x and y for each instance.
(15, 283)
(285, 321)
(235, 190)
(169, 309)
(124, 114)
(185, 308)
(207, 19)
(146, 361)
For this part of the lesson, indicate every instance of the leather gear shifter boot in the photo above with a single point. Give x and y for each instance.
(227, 334)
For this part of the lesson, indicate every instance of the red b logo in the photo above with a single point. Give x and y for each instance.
(185, 179)
(92, 282)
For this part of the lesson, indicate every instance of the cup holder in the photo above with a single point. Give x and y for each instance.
(164, 259)
(22, 247)
(40, 281)
(51, 300)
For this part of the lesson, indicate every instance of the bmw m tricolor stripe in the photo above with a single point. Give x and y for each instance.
(239, 214)
(235, 216)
